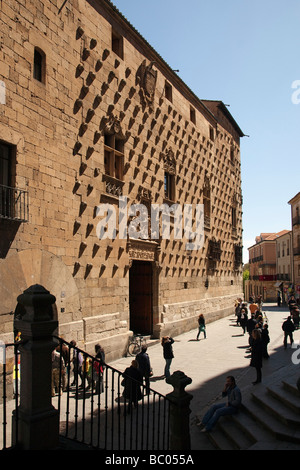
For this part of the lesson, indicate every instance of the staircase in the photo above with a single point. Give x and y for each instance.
(268, 420)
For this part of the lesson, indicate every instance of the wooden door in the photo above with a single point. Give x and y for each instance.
(140, 297)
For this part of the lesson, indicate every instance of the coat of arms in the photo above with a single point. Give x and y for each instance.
(146, 77)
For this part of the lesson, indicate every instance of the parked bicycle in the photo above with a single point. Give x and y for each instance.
(135, 344)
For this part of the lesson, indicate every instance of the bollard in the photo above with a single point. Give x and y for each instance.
(180, 438)
(38, 420)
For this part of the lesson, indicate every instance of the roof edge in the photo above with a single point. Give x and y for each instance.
(177, 79)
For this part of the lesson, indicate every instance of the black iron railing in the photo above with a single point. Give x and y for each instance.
(10, 399)
(94, 411)
(13, 204)
(91, 412)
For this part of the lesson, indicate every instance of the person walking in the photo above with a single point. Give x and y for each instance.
(132, 381)
(238, 307)
(234, 400)
(292, 303)
(166, 343)
(265, 338)
(256, 354)
(201, 326)
(278, 298)
(288, 327)
(99, 366)
(144, 367)
(58, 371)
(77, 361)
(251, 322)
(295, 317)
(244, 320)
(253, 307)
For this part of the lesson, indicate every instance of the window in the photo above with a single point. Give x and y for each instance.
(193, 115)
(213, 254)
(5, 164)
(13, 201)
(206, 201)
(113, 156)
(39, 65)
(117, 44)
(169, 185)
(168, 92)
(232, 155)
(169, 175)
(233, 216)
(211, 133)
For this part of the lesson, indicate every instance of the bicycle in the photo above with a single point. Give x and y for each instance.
(135, 344)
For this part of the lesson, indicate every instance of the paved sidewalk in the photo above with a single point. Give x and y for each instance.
(208, 362)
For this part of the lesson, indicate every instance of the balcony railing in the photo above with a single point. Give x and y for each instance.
(13, 204)
(264, 277)
(256, 259)
(283, 277)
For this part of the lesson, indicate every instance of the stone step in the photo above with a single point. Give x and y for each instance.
(219, 440)
(235, 434)
(269, 422)
(270, 419)
(275, 407)
(291, 387)
(250, 427)
(285, 397)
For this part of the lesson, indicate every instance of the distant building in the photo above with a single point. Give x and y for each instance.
(295, 215)
(284, 264)
(90, 113)
(262, 267)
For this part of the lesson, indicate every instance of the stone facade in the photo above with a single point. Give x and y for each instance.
(284, 264)
(90, 112)
(295, 215)
(263, 267)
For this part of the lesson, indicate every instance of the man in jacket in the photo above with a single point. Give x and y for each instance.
(288, 327)
(234, 400)
(144, 367)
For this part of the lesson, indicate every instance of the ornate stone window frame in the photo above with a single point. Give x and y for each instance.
(114, 140)
(207, 201)
(169, 175)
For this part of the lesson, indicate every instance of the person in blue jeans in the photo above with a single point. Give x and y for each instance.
(166, 343)
(234, 401)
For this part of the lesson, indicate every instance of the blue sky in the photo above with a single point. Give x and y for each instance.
(246, 54)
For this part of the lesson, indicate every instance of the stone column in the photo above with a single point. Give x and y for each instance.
(38, 420)
(180, 438)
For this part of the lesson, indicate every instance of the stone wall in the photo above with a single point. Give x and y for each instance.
(56, 128)
(182, 317)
